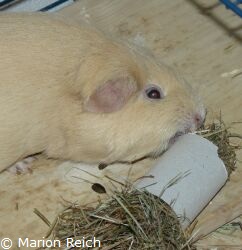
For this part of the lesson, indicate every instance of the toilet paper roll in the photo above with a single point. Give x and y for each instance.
(187, 176)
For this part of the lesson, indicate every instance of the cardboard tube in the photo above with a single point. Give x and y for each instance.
(187, 176)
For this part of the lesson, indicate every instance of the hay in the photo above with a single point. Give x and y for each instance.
(219, 134)
(131, 218)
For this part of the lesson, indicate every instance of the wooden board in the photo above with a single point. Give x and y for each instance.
(206, 47)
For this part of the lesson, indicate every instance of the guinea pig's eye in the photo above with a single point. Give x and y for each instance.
(154, 93)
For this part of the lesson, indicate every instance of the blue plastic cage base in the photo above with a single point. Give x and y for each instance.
(235, 6)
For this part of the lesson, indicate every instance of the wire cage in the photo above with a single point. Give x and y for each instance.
(235, 6)
(33, 5)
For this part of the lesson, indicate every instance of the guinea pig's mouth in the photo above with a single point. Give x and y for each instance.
(174, 138)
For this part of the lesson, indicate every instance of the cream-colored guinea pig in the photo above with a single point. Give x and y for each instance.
(74, 94)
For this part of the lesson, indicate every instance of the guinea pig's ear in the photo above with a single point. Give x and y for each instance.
(111, 96)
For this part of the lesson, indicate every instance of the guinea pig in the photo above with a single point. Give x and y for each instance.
(73, 93)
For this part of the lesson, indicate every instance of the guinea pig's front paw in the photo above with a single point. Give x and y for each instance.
(22, 167)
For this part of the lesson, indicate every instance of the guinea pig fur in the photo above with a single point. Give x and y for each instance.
(72, 93)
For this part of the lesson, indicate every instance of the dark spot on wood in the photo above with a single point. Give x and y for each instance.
(98, 188)
(101, 166)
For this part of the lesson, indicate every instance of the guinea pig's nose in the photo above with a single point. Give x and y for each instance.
(198, 120)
